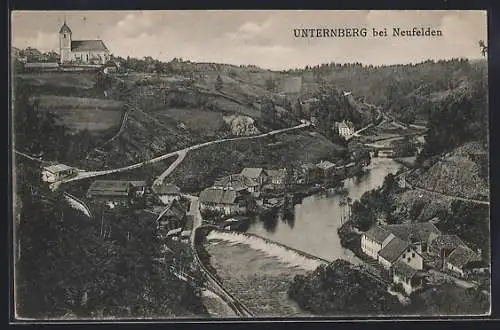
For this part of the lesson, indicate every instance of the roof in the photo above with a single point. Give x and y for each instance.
(65, 28)
(440, 242)
(57, 168)
(462, 256)
(393, 249)
(41, 65)
(400, 268)
(109, 188)
(252, 172)
(280, 173)
(85, 45)
(325, 164)
(174, 210)
(308, 166)
(218, 196)
(377, 233)
(166, 189)
(138, 183)
(418, 231)
(236, 182)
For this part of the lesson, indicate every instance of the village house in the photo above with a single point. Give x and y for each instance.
(309, 173)
(238, 183)
(373, 240)
(166, 192)
(344, 128)
(54, 173)
(276, 179)
(81, 51)
(258, 174)
(463, 261)
(410, 278)
(170, 218)
(116, 192)
(327, 168)
(400, 250)
(222, 200)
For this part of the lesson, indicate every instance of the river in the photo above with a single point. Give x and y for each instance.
(313, 226)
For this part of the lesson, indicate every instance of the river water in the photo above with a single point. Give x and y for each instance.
(313, 226)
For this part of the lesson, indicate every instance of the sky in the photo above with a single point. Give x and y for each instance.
(262, 38)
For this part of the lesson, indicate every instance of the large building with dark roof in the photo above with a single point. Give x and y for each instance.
(81, 51)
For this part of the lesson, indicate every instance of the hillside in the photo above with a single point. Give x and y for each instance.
(462, 172)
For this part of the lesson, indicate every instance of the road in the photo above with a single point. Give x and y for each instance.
(415, 187)
(89, 174)
(122, 126)
(212, 283)
(182, 154)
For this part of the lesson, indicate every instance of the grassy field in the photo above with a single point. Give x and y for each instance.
(78, 113)
(203, 122)
(59, 79)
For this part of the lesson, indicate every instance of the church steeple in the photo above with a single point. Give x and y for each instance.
(65, 42)
(65, 28)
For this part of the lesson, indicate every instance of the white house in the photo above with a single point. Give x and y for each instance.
(373, 240)
(410, 278)
(57, 172)
(224, 200)
(344, 128)
(400, 250)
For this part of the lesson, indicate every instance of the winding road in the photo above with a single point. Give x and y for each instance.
(81, 174)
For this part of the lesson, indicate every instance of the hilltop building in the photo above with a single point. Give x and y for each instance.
(81, 51)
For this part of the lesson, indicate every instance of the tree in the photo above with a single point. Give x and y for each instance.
(484, 48)
(218, 83)
(297, 109)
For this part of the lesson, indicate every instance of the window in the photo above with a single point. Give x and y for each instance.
(413, 255)
(65, 36)
(408, 259)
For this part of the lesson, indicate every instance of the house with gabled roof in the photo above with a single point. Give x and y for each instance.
(373, 240)
(400, 250)
(462, 260)
(223, 200)
(257, 174)
(166, 192)
(410, 278)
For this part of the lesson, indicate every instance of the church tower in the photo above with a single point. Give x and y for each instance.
(65, 43)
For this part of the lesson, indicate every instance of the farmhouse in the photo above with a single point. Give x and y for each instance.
(463, 260)
(327, 168)
(257, 174)
(400, 250)
(170, 218)
(344, 128)
(410, 278)
(116, 192)
(56, 172)
(276, 179)
(373, 240)
(226, 201)
(238, 183)
(167, 192)
(81, 51)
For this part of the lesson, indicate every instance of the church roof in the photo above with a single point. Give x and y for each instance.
(86, 45)
(65, 28)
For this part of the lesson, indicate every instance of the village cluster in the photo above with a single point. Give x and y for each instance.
(411, 253)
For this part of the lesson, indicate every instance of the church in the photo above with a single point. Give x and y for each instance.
(81, 51)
